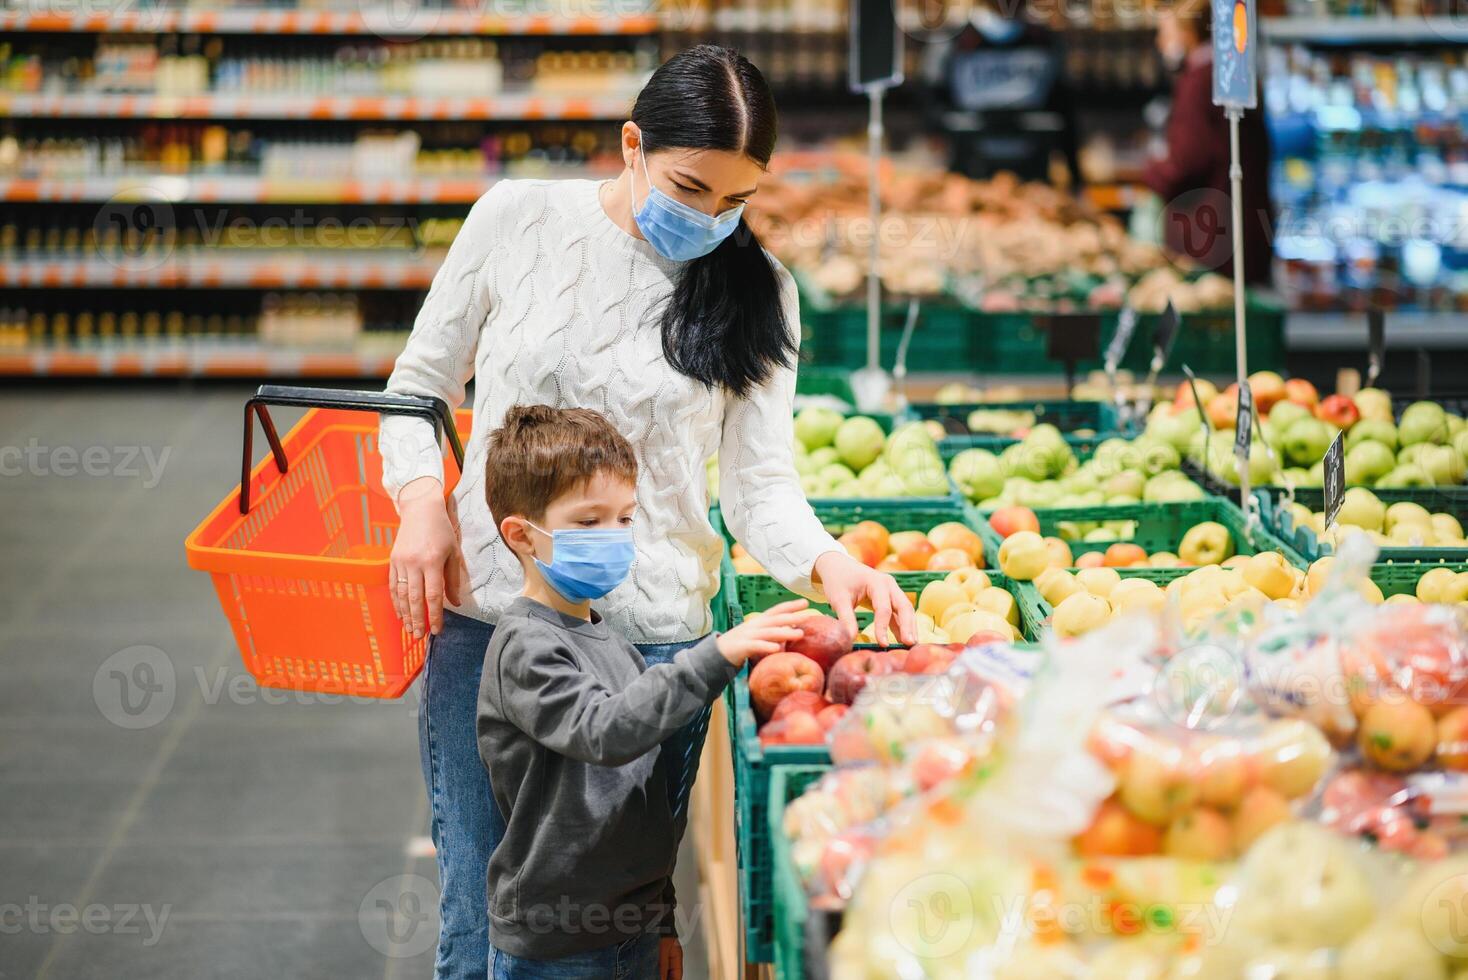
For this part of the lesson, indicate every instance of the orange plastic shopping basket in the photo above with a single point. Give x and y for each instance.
(299, 552)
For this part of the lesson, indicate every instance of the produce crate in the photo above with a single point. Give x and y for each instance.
(1160, 527)
(834, 334)
(1276, 516)
(1015, 343)
(1097, 420)
(812, 380)
(756, 593)
(1395, 578)
(791, 906)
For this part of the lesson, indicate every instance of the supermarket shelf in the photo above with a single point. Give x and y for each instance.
(244, 106)
(383, 23)
(1342, 30)
(193, 361)
(248, 189)
(215, 270)
(1346, 331)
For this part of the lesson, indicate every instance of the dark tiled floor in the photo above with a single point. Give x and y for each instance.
(216, 830)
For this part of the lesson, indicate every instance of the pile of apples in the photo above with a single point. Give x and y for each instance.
(964, 608)
(1025, 553)
(1427, 446)
(1403, 524)
(1041, 470)
(1207, 798)
(837, 456)
(948, 546)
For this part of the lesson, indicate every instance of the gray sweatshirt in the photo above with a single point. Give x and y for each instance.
(570, 720)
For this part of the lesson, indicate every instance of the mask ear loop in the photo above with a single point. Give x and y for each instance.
(547, 534)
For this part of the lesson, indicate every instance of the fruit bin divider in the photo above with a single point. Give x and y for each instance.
(1160, 527)
(1277, 517)
(791, 905)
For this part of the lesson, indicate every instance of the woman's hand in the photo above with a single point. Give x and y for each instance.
(847, 581)
(427, 564)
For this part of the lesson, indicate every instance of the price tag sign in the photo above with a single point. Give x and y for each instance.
(1244, 432)
(1072, 336)
(1334, 484)
(1126, 327)
(1235, 51)
(1202, 415)
(1164, 337)
(1376, 341)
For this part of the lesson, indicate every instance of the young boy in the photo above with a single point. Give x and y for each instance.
(570, 717)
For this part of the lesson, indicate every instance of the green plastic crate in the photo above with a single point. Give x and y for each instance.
(1398, 577)
(1448, 500)
(834, 334)
(791, 906)
(813, 380)
(758, 592)
(1160, 527)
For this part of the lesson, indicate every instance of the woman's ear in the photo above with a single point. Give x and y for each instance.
(517, 535)
(631, 140)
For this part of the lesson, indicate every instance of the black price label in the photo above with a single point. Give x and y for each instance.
(1073, 336)
(1376, 343)
(1334, 484)
(1126, 327)
(1202, 416)
(1165, 336)
(1245, 426)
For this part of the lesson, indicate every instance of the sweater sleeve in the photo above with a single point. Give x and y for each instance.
(1193, 139)
(438, 360)
(759, 491)
(546, 695)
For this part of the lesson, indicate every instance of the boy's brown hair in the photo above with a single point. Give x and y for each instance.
(539, 453)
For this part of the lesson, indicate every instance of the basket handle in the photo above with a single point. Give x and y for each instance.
(433, 410)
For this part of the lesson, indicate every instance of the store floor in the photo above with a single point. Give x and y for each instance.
(162, 816)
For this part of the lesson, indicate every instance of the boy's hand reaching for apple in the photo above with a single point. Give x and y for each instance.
(766, 633)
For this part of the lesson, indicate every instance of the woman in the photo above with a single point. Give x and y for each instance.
(648, 299)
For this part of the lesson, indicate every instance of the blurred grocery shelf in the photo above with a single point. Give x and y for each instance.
(109, 106)
(1367, 30)
(254, 189)
(1342, 331)
(267, 269)
(203, 360)
(383, 23)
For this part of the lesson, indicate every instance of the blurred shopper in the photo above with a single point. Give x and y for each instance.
(1191, 177)
(648, 299)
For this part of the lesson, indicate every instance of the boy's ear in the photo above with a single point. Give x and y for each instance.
(517, 535)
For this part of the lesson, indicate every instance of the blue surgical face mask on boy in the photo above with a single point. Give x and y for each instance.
(587, 562)
(677, 231)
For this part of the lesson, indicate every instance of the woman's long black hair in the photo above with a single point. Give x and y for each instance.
(725, 324)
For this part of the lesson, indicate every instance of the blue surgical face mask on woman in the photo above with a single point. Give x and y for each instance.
(677, 231)
(587, 562)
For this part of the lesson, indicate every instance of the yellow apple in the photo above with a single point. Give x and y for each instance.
(1098, 581)
(1023, 555)
(1060, 556)
(1137, 594)
(1270, 573)
(1406, 512)
(1433, 586)
(1056, 584)
(1319, 571)
(1234, 583)
(1164, 559)
(1447, 526)
(954, 611)
(1208, 543)
(960, 628)
(999, 602)
(1401, 599)
(938, 596)
(1079, 614)
(971, 580)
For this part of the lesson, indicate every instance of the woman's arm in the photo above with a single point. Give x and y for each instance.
(761, 499)
(426, 565)
(1194, 138)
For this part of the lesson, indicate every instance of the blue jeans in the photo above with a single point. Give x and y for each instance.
(467, 824)
(635, 959)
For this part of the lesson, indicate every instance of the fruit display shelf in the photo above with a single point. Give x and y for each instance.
(1082, 422)
(1275, 513)
(210, 105)
(791, 907)
(757, 592)
(1158, 527)
(385, 22)
(835, 334)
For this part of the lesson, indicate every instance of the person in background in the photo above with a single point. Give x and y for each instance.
(1191, 176)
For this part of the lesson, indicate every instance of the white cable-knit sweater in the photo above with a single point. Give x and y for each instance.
(543, 300)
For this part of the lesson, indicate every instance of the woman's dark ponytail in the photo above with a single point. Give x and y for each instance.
(725, 324)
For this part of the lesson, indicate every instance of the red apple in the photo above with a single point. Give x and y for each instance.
(824, 640)
(849, 674)
(780, 674)
(1267, 388)
(829, 715)
(927, 658)
(983, 637)
(863, 547)
(1008, 520)
(1301, 392)
(1182, 398)
(802, 728)
(1339, 411)
(939, 760)
(799, 701)
(1223, 411)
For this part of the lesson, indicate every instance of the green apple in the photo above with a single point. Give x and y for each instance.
(859, 441)
(1369, 462)
(1100, 534)
(926, 481)
(1405, 476)
(1079, 481)
(1301, 515)
(816, 427)
(1373, 403)
(1411, 455)
(805, 463)
(1175, 429)
(1297, 476)
(873, 474)
(1174, 492)
(1157, 456)
(1460, 443)
(811, 484)
(1262, 471)
(1122, 498)
(1208, 543)
(1284, 413)
(1306, 441)
(1456, 424)
(1423, 422)
(1128, 482)
(1362, 508)
(908, 443)
(1444, 465)
(1039, 495)
(834, 474)
(1317, 475)
(1372, 430)
(1009, 458)
(978, 473)
(823, 457)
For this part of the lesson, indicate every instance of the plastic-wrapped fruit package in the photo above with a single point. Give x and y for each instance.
(1419, 814)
